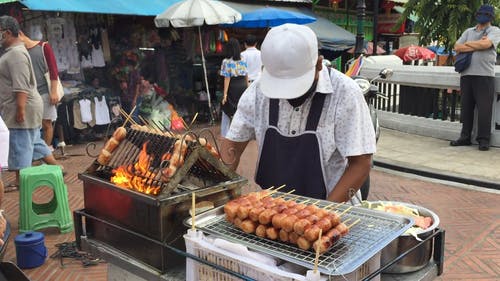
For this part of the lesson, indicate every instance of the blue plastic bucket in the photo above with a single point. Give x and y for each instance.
(30, 249)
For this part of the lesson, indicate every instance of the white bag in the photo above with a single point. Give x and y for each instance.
(60, 89)
(4, 144)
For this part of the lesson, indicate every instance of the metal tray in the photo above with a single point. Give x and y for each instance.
(370, 235)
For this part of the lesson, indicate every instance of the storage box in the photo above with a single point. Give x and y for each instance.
(200, 246)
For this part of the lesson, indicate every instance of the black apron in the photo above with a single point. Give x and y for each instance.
(294, 161)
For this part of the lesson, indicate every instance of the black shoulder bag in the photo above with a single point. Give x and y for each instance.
(462, 60)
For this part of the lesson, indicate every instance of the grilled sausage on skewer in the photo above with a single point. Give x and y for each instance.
(266, 216)
(303, 243)
(283, 235)
(248, 226)
(272, 233)
(261, 231)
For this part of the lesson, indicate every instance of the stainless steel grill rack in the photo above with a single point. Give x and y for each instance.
(365, 239)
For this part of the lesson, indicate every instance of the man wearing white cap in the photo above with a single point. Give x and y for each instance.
(312, 125)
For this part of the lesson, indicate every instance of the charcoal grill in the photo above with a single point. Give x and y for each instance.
(116, 214)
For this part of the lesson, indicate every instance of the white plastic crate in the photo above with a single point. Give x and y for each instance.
(201, 246)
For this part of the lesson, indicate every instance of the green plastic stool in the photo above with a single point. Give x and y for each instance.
(55, 213)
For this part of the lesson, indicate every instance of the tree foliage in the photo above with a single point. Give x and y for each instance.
(445, 20)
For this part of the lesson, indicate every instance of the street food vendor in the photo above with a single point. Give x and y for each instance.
(312, 124)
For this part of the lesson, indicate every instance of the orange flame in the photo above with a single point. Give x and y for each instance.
(136, 176)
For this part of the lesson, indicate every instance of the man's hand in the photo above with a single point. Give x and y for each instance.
(462, 48)
(224, 100)
(53, 98)
(358, 168)
(21, 99)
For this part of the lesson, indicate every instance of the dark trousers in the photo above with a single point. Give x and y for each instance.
(477, 91)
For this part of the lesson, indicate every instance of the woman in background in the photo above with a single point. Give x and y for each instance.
(43, 61)
(235, 73)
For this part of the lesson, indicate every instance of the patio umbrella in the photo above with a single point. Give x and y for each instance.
(269, 17)
(368, 49)
(413, 52)
(191, 13)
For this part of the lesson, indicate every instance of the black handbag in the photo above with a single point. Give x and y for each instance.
(229, 108)
(462, 61)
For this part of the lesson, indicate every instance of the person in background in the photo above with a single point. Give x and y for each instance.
(21, 106)
(477, 82)
(251, 56)
(312, 125)
(235, 73)
(41, 52)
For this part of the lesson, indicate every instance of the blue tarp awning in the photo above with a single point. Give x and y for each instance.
(331, 36)
(118, 7)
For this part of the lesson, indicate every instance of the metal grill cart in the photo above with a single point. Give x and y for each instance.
(355, 257)
(134, 219)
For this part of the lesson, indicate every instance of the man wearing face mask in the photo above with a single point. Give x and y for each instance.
(21, 106)
(311, 124)
(477, 82)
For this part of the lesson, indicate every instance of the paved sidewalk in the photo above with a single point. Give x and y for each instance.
(432, 155)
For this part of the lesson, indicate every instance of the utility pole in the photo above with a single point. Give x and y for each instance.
(375, 23)
(360, 36)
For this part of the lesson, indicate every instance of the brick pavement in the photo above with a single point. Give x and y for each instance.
(471, 220)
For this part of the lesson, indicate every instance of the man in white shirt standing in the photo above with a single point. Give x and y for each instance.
(312, 125)
(251, 56)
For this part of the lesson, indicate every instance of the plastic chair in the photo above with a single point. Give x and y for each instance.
(55, 213)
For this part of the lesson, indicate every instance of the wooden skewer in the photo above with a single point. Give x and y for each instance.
(270, 188)
(194, 119)
(280, 187)
(305, 201)
(193, 212)
(128, 117)
(316, 202)
(184, 122)
(355, 222)
(345, 211)
(335, 206)
(346, 220)
(316, 259)
(284, 194)
(274, 191)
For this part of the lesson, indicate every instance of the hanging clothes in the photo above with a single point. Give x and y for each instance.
(101, 111)
(85, 110)
(97, 57)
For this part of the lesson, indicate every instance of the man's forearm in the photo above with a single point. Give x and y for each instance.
(482, 44)
(231, 152)
(462, 48)
(354, 176)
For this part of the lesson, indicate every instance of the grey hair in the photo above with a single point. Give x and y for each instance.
(11, 24)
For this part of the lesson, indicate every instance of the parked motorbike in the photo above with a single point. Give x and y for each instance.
(371, 92)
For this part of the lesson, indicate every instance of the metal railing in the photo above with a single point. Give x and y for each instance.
(425, 100)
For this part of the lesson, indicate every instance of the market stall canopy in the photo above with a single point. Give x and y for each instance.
(331, 36)
(269, 17)
(118, 7)
(198, 13)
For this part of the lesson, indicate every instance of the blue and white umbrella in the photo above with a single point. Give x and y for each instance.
(269, 17)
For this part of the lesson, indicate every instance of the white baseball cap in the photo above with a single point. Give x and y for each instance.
(289, 54)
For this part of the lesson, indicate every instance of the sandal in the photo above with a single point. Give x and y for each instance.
(11, 187)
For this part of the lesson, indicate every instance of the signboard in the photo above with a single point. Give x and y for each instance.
(387, 22)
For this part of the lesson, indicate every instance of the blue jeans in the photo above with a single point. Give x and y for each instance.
(25, 145)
